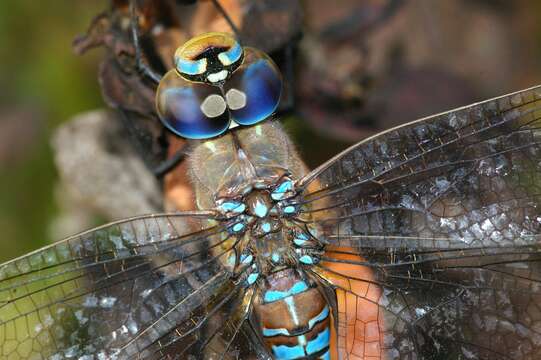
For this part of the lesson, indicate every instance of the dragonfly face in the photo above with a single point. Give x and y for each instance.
(420, 242)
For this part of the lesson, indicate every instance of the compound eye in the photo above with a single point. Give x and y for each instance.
(253, 91)
(191, 110)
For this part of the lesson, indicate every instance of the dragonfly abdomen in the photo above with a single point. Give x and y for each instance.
(294, 317)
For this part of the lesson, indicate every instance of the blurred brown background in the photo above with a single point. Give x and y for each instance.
(351, 81)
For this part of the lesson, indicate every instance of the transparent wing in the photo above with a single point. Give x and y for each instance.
(469, 177)
(463, 304)
(442, 218)
(112, 289)
(211, 333)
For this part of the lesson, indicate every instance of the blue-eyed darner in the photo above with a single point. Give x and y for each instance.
(420, 242)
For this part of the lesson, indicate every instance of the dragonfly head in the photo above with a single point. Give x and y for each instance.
(217, 85)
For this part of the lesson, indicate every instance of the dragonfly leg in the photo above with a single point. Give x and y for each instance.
(141, 65)
(167, 165)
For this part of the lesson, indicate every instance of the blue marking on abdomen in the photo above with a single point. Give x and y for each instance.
(284, 352)
(320, 317)
(272, 295)
(274, 332)
(319, 343)
(324, 314)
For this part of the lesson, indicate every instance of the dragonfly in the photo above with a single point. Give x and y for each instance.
(421, 242)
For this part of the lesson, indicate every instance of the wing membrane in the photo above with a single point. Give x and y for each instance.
(438, 224)
(474, 304)
(217, 324)
(93, 293)
(466, 178)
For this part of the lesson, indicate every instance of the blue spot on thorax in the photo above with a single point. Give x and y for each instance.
(232, 206)
(246, 258)
(238, 227)
(290, 209)
(252, 278)
(266, 227)
(260, 210)
(300, 239)
(306, 259)
(231, 260)
(281, 190)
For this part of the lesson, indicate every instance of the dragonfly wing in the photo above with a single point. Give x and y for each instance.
(465, 178)
(98, 292)
(435, 228)
(216, 312)
(218, 328)
(432, 305)
(220, 344)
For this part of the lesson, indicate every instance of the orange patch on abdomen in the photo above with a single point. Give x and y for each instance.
(360, 325)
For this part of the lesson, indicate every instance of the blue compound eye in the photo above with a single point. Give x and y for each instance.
(189, 109)
(253, 91)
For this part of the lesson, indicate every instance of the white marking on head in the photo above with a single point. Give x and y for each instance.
(202, 66)
(236, 99)
(213, 106)
(219, 76)
(224, 59)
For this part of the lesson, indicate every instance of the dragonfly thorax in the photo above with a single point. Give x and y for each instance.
(272, 235)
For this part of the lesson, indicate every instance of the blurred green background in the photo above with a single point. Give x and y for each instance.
(42, 84)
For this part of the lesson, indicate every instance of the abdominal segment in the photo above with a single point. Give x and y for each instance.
(294, 318)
